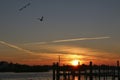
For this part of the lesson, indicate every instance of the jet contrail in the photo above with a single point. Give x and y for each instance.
(79, 39)
(25, 6)
(16, 47)
(70, 40)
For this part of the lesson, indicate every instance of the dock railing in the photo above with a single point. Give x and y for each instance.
(90, 72)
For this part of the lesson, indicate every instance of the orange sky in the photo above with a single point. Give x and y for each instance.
(43, 54)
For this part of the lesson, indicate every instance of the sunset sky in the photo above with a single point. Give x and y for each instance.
(84, 30)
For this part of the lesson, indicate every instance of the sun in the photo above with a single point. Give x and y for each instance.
(75, 62)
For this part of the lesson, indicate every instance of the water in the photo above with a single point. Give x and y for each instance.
(36, 76)
(26, 76)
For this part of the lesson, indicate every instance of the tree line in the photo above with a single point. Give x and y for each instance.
(15, 67)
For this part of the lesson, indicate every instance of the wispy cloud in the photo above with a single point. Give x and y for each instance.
(16, 47)
(70, 40)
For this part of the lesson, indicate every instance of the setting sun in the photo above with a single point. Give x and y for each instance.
(75, 62)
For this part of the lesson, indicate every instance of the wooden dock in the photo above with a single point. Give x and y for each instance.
(90, 72)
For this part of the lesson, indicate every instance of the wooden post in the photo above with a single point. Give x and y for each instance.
(95, 76)
(79, 72)
(64, 74)
(118, 74)
(68, 75)
(99, 73)
(113, 76)
(107, 72)
(54, 71)
(73, 74)
(90, 74)
(104, 68)
(85, 75)
(57, 72)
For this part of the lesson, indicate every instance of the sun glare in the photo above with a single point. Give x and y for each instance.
(75, 62)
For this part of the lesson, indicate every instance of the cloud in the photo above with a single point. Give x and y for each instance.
(69, 40)
(16, 47)
(68, 50)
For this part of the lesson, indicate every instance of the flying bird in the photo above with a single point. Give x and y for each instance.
(25, 6)
(41, 19)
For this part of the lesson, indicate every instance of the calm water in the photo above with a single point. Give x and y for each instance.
(26, 76)
(35, 76)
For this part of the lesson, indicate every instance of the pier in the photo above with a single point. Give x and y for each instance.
(90, 72)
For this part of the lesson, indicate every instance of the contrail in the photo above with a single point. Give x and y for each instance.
(79, 39)
(70, 40)
(25, 6)
(16, 47)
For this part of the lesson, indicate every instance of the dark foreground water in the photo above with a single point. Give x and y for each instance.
(26, 76)
(35, 76)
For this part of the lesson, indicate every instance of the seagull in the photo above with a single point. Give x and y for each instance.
(41, 19)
